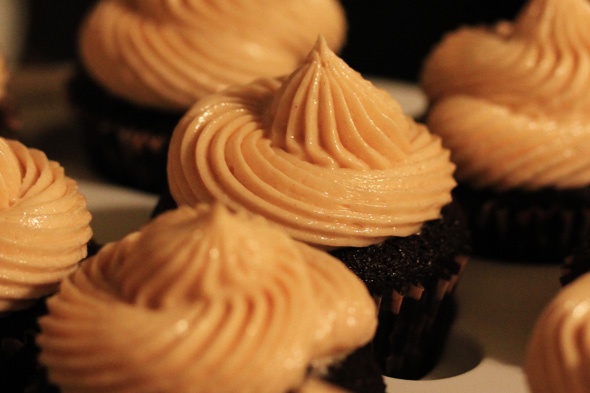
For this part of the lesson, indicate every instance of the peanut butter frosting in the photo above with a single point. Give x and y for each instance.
(511, 100)
(169, 53)
(322, 152)
(558, 352)
(203, 300)
(44, 225)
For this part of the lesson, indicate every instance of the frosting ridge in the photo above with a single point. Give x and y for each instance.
(519, 87)
(558, 354)
(211, 310)
(167, 54)
(45, 225)
(322, 152)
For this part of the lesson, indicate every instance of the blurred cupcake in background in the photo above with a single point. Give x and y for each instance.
(510, 101)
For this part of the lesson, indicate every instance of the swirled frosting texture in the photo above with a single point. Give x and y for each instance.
(558, 353)
(511, 100)
(169, 53)
(44, 225)
(323, 153)
(203, 301)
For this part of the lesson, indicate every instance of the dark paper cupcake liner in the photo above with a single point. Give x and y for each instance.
(539, 226)
(126, 143)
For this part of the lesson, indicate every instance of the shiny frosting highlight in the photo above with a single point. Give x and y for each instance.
(44, 225)
(558, 353)
(322, 152)
(169, 53)
(203, 300)
(511, 100)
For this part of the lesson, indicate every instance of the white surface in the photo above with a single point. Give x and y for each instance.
(498, 303)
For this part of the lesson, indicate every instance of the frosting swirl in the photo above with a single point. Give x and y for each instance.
(510, 100)
(322, 152)
(44, 225)
(203, 300)
(558, 352)
(169, 53)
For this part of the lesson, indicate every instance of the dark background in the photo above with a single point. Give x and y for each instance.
(386, 37)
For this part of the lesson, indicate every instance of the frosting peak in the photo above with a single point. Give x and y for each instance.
(327, 115)
(322, 152)
(203, 300)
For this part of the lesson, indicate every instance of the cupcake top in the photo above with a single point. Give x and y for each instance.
(322, 152)
(558, 352)
(168, 53)
(44, 225)
(203, 300)
(511, 100)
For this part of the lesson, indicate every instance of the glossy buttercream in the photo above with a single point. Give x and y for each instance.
(168, 53)
(322, 152)
(511, 100)
(203, 300)
(558, 353)
(44, 225)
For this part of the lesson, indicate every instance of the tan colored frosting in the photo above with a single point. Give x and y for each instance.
(167, 54)
(558, 352)
(203, 300)
(511, 100)
(44, 225)
(323, 153)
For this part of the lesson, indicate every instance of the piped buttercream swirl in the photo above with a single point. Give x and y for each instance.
(322, 152)
(169, 53)
(510, 101)
(558, 352)
(44, 225)
(203, 300)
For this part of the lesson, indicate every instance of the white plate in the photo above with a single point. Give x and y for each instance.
(498, 303)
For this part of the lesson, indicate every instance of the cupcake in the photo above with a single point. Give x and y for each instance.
(558, 351)
(510, 102)
(143, 63)
(9, 121)
(335, 162)
(43, 237)
(205, 300)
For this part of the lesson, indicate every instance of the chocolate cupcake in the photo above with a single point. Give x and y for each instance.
(510, 103)
(335, 162)
(44, 231)
(143, 63)
(206, 300)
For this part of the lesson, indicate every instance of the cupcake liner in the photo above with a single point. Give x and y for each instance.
(541, 226)
(413, 326)
(126, 143)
